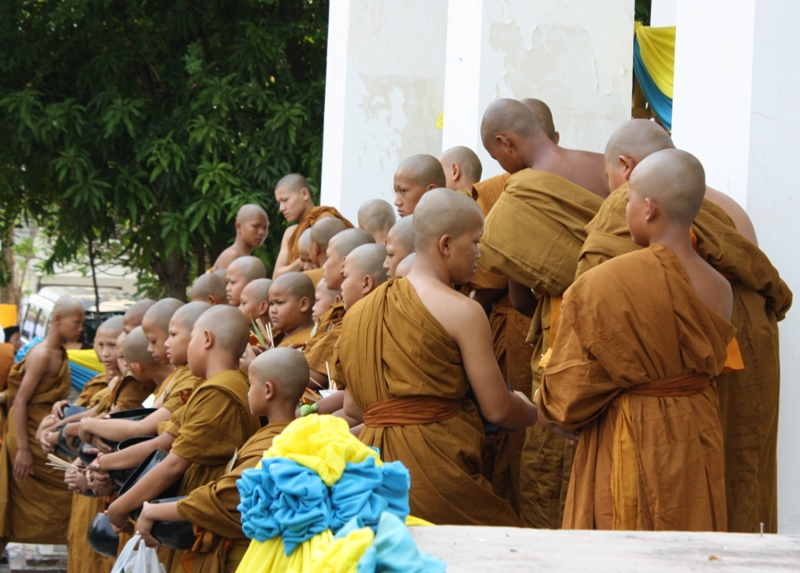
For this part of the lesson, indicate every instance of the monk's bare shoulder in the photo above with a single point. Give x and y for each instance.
(288, 234)
(454, 311)
(226, 257)
(735, 211)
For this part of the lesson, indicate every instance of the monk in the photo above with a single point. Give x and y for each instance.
(291, 298)
(533, 235)
(399, 244)
(413, 178)
(135, 314)
(294, 198)
(338, 248)
(218, 407)
(155, 325)
(252, 226)
(405, 266)
(325, 298)
(34, 502)
(462, 168)
(321, 234)
(641, 390)
(749, 397)
(376, 217)
(254, 300)
(209, 288)
(409, 355)
(239, 273)
(277, 381)
(303, 250)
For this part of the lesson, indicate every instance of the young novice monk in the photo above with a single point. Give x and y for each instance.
(376, 217)
(239, 273)
(325, 298)
(304, 251)
(254, 300)
(413, 178)
(209, 288)
(291, 298)
(399, 244)
(321, 234)
(277, 381)
(338, 248)
(215, 422)
(34, 502)
(135, 314)
(641, 388)
(252, 226)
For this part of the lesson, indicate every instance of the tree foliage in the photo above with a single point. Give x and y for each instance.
(150, 122)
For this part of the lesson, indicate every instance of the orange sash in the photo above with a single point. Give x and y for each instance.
(410, 411)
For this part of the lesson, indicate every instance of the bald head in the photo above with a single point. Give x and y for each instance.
(637, 138)
(220, 273)
(462, 168)
(249, 268)
(135, 313)
(673, 178)
(228, 326)
(188, 314)
(257, 290)
(249, 212)
(285, 368)
(543, 115)
(444, 212)
(66, 307)
(401, 235)
(424, 170)
(343, 243)
(405, 265)
(135, 348)
(325, 229)
(112, 326)
(298, 285)
(209, 288)
(305, 239)
(507, 116)
(368, 260)
(376, 216)
(159, 315)
(293, 182)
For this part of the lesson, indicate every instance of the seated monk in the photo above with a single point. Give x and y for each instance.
(321, 234)
(399, 244)
(294, 198)
(409, 355)
(291, 298)
(304, 251)
(252, 226)
(338, 248)
(135, 314)
(376, 217)
(209, 288)
(325, 298)
(415, 176)
(277, 381)
(638, 381)
(254, 300)
(462, 168)
(239, 273)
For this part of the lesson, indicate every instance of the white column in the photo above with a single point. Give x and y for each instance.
(384, 93)
(736, 92)
(663, 13)
(576, 55)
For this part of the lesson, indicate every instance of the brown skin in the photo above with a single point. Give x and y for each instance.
(294, 205)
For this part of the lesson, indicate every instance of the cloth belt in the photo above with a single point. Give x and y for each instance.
(410, 411)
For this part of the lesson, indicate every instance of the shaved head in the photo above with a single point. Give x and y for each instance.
(286, 368)
(208, 285)
(402, 234)
(637, 138)
(113, 325)
(188, 314)
(466, 159)
(257, 289)
(542, 114)
(405, 265)
(424, 170)
(249, 268)
(299, 285)
(249, 212)
(444, 212)
(135, 348)
(305, 239)
(673, 178)
(229, 326)
(293, 182)
(376, 216)
(66, 306)
(368, 260)
(135, 313)
(159, 315)
(220, 273)
(343, 243)
(325, 229)
(507, 116)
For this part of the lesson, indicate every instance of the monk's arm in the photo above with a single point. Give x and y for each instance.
(486, 297)
(152, 512)
(118, 430)
(351, 410)
(152, 484)
(282, 264)
(132, 456)
(331, 404)
(35, 370)
(320, 378)
(522, 299)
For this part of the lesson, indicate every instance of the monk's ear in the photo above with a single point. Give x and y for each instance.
(337, 299)
(208, 339)
(238, 227)
(368, 284)
(504, 141)
(263, 307)
(444, 244)
(305, 304)
(431, 186)
(212, 300)
(626, 165)
(305, 193)
(269, 390)
(556, 137)
(653, 208)
(455, 168)
(135, 367)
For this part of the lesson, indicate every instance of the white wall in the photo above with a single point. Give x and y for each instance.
(663, 13)
(384, 92)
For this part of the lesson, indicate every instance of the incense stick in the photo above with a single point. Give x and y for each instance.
(331, 381)
(56, 461)
(317, 383)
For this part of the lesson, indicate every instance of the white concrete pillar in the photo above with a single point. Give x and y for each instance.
(383, 95)
(735, 107)
(576, 55)
(663, 13)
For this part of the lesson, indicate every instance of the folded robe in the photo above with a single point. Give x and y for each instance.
(129, 393)
(748, 398)
(306, 222)
(297, 340)
(392, 347)
(637, 382)
(533, 236)
(36, 510)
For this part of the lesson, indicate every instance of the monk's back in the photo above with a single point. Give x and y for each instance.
(441, 301)
(712, 288)
(583, 168)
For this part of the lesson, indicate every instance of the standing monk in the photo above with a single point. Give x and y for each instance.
(749, 397)
(533, 236)
(294, 198)
(34, 501)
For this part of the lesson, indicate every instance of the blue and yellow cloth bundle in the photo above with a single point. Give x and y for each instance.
(654, 64)
(322, 501)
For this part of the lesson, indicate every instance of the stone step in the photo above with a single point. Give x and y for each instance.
(37, 558)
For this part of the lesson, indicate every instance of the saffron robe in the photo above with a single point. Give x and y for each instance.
(177, 393)
(91, 388)
(319, 349)
(129, 393)
(297, 340)
(637, 382)
(36, 510)
(315, 275)
(533, 236)
(748, 398)
(212, 509)
(391, 347)
(306, 222)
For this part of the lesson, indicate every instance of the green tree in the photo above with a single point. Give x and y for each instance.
(151, 122)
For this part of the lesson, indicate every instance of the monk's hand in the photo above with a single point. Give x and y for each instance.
(100, 445)
(250, 354)
(23, 465)
(76, 481)
(559, 431)
(58, 408)
(119, 522)
(144, 526)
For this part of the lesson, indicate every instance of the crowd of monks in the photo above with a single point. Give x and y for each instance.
(586, 341)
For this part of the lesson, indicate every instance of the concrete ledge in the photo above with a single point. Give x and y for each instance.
(504, 549)
(37, 558)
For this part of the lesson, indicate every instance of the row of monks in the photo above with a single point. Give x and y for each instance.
(587, 341)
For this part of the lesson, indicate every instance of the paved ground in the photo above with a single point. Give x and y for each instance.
(36, 558)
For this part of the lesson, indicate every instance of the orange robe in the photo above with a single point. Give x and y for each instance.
(36, 510)
(212, 509)
(296, 340)
(319, 349)
(533, 236)
(178, 390)
(634, 372)
(129, 393)
(748, 398)
(405, 372)
(315, 275)
(6, 361)
(306, 222)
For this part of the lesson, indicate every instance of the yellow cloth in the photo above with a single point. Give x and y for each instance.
(657, 47)
(86, 358)
(343, 554)
(269, 556)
